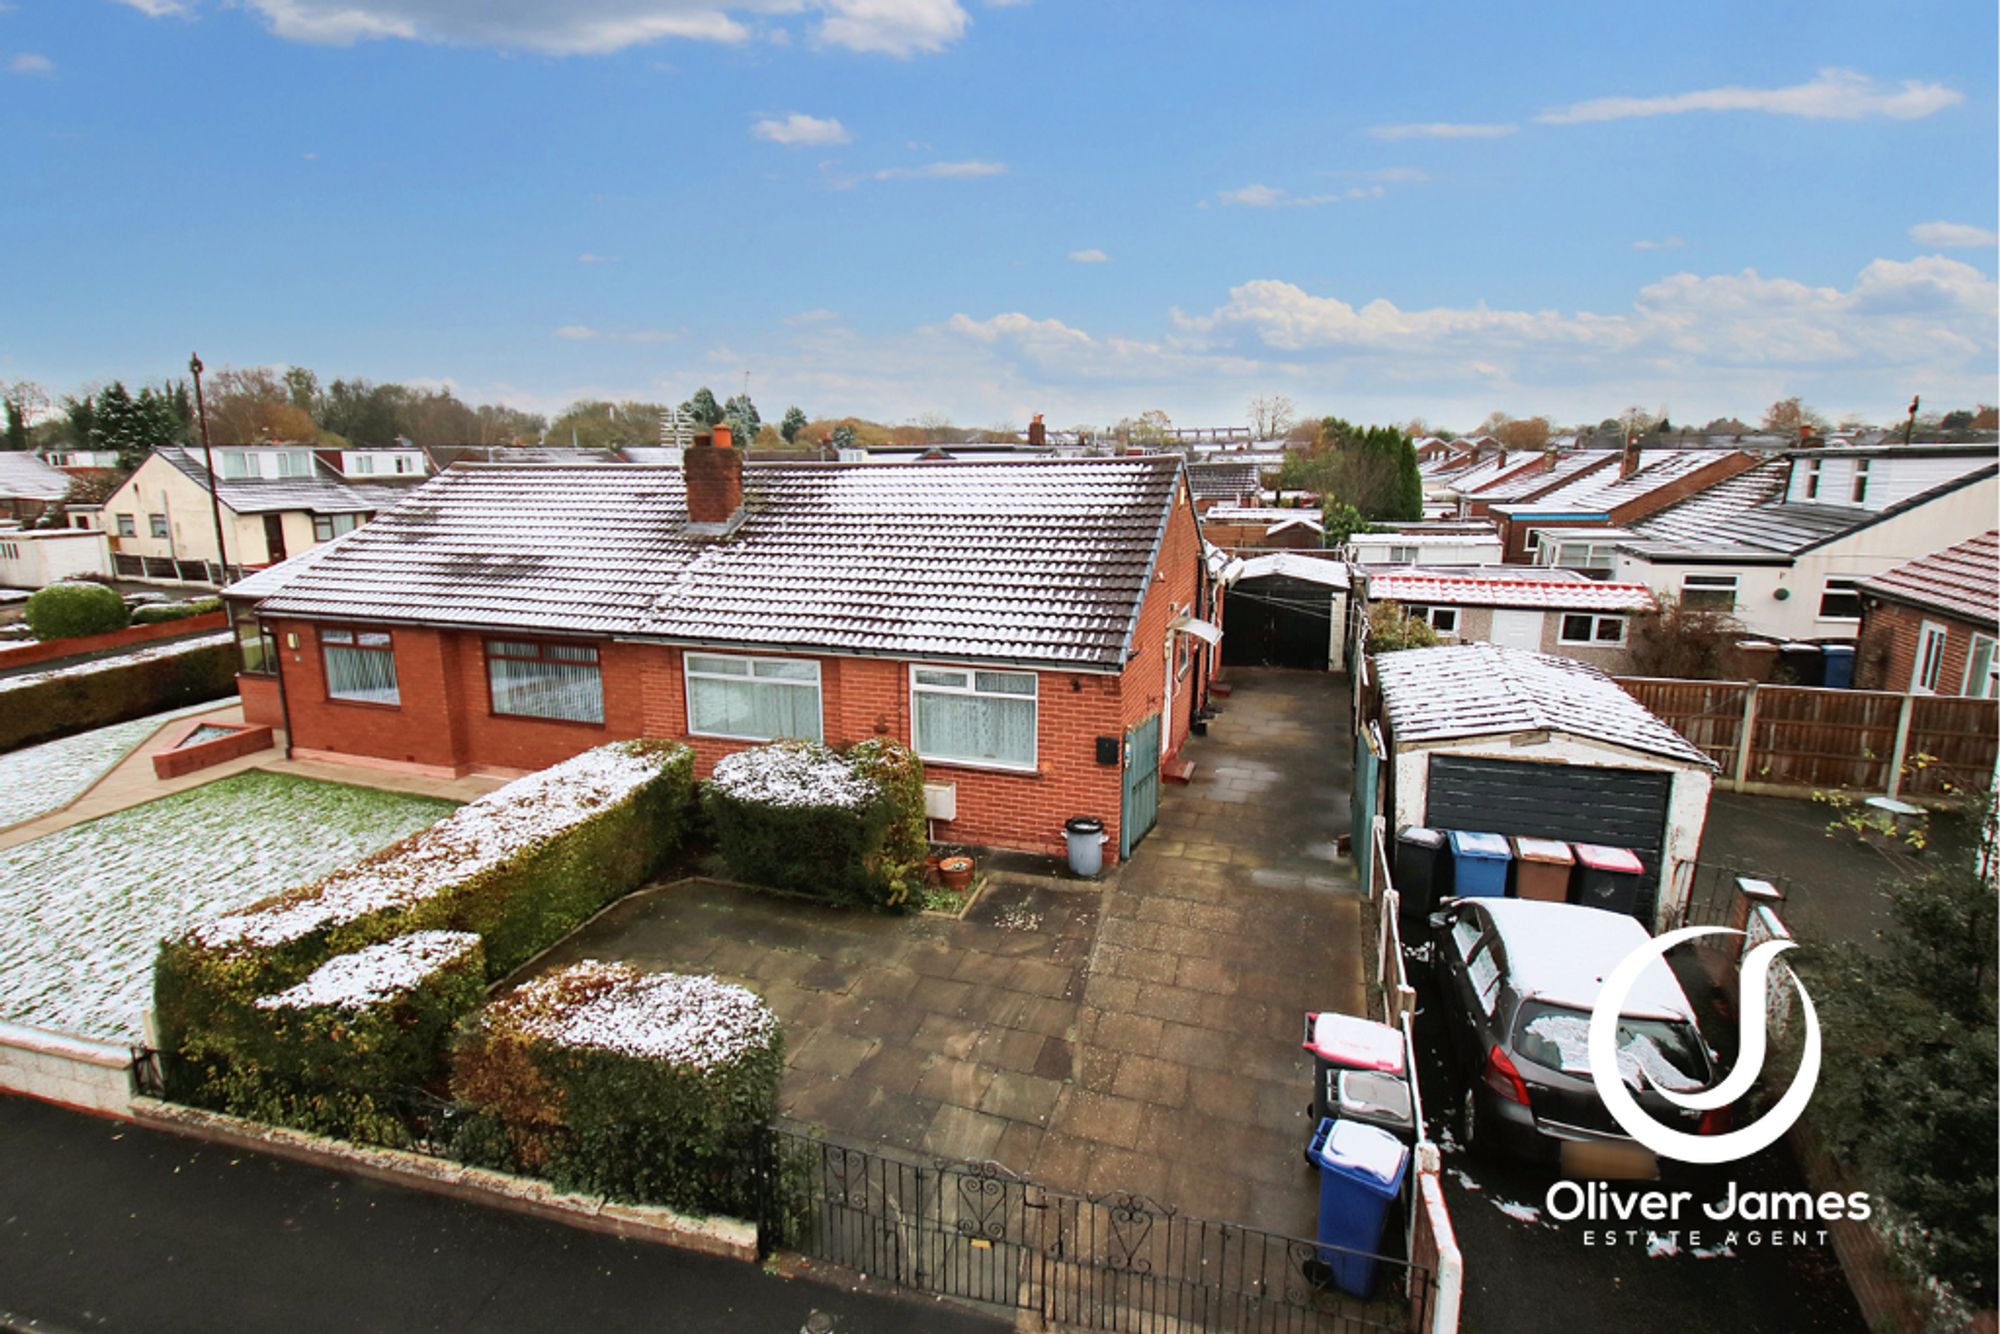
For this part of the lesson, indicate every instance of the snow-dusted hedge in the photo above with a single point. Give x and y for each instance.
(642, 1086)
(800, 816)
(520, 868)
(44, 705)
(334, 1053)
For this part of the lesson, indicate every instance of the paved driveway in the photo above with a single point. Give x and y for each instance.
(1142, 1036)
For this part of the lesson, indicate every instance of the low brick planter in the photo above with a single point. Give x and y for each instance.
(48, 650)
(184, 757)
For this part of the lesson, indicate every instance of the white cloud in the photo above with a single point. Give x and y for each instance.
(1271, 196)
(797, 130)
(584, 333)
(1091, 256)
(817, 315)
(893, 27)
(1441, 130)
(956, 171)
(28, 62)
(1954, 234)
(158, 9)
(1834, 94)
(1671, 243)
(589, 258)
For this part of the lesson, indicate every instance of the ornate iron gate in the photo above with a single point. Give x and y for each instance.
(1118, 1261)
(1140, 808)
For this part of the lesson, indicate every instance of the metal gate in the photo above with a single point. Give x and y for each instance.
(1118, 1261)
(1139, 809)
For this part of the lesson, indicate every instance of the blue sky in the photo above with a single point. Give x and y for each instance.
(1081, 207)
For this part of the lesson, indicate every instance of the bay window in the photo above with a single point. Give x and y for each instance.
(532, 679)
(967, 716)
(753, 699)
(360, 665)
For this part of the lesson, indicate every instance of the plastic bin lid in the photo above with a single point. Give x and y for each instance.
(1367, 1155)
(1598, 857)
(1084, 824)
(1422, 837)
(1471, 843)
(1373, 1096)
(1552, 851)
(1350, 1040)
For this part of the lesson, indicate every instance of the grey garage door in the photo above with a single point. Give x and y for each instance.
(1626, 808)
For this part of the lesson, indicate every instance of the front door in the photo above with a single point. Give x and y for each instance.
(1140, 806)
(1518, 629)
(274, 537)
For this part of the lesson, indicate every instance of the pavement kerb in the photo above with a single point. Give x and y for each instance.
(726, 1237)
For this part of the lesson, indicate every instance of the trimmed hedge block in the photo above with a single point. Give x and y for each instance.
(650, 1087)
(800, 816)
(72, 610)
(155, 613)
(42, 706)
(520, 868)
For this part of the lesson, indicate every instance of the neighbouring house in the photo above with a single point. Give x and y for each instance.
(1245, 528)
(1440, 543)
(1548, 611)
(1929, 626)
(29, 486)
(372, 461)
(1785, 545)
(82, 462)
(38, 557)
(1039, 632)
(276, 501)
(1503, 740)
(1643, 482)
(1285, 609)
(1539, 473)
(1218, 482)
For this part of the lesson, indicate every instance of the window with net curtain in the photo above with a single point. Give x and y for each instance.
(974, 717)
(532, 679)
(753, 699)
(360, 665)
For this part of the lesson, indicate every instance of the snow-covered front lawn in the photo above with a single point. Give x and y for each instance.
(37, 779)
(83, 910)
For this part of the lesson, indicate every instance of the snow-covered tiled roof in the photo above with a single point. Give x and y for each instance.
(1961, 581)
(322, 493)
(1028, 562)
(1222, 481)
(1295, 565)
(1605, 490)
(1405, 539)
(1477, 690)
(1473, 591)
(1565, 471)
(28, 477)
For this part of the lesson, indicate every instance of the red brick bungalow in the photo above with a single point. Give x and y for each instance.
(1021, 624)
(1931, 626)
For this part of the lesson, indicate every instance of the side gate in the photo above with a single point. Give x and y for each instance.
(1139, 809)
(1118, 1261)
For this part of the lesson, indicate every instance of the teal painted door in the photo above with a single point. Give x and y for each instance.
(1361, 812)
(1140, 808)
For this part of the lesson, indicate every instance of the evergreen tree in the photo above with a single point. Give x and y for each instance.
(1409, 476)
(132, 426)
(82, 416)
(17, 426)
(740, 415)
(795, 421)
(843, 436)
(702, 409)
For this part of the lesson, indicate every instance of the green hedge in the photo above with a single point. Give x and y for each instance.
(155, 613)
(521, 868)
(338, 1053)
(651, 1087)
(42, 706)
(72, 610)
(799, 816)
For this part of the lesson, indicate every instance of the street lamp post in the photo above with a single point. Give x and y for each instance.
(208, 464)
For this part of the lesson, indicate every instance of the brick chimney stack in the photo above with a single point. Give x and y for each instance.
(713, 473)
(1038, 434)
(1628, 462)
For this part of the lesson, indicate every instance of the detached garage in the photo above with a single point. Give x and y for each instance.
(1285, 609)
(1509, 741)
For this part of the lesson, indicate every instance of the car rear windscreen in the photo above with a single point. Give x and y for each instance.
(1668, 1053)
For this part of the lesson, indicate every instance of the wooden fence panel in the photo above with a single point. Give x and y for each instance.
(1960, 737)
(1814, 738)
(1708, 713)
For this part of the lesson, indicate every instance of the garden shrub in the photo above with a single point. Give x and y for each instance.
(337, 1053)
(154, 613)
(651, 1087)
(71, 610)
(44, 705)
(521, 868)
(798, 816)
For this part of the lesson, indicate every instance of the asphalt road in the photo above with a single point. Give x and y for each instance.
(108, 1226)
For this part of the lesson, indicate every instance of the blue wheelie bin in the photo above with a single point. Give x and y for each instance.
(1360, 1170)
(1479, 864)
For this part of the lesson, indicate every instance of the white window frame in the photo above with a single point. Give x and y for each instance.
(128, 524)
(1811, 489)
(1980, 685)
(1597, 622)
(1929, 634)
(1404, 554)
(970, 690)
(359, 639)
(1826, 589)
(1715, 584)
(158, 528)
(690, 673)
(1860, 484)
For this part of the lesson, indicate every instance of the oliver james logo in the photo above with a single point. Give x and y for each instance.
(1666, 1141)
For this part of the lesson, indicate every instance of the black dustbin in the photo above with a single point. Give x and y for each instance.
(1348, 1042)
(1423, 872)
(1606, 878)
(1376, 1099)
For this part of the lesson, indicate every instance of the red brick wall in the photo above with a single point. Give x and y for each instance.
(262, 702)
(1888, 648)
(427, 729)
(48, 650)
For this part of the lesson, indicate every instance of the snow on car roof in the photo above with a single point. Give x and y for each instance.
(1561, 953)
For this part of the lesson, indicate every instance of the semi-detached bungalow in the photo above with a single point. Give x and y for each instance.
(1039, 632)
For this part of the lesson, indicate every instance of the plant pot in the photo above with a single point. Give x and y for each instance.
(955, 873)
(931, 870)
